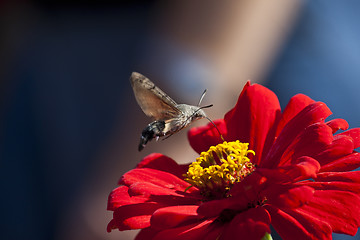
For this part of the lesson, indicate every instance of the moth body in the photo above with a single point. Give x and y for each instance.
(169, 117)
(188, 114)
(161, 128)
(152, 130)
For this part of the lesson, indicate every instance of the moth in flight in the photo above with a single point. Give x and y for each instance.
(169, 117)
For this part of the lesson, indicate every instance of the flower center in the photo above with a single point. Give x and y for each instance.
(217, 169)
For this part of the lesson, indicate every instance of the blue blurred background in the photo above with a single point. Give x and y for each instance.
(70, 124)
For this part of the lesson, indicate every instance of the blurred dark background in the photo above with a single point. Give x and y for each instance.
(69, 121)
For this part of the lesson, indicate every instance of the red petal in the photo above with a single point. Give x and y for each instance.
(120, 196)
(251, 224)
(193, 231)
(306, 167)
(353, 177)
(313, 113)
(289, 197)
(169, 217)
(160, 178)
(135, 216)
(342, 186)
(250, 186)
(355, 135)
(111, 225)
(317, 227)
(303, 168)
(298, 227)
(163, 163)
(340, 209)
(310, 142)
(202, 138)
(347, 163)
(215, 207)
(252, 118)
(296, 104)
(341, 146)
(149, 189)
(214, 232)
(146, 234)
(241, 193)
(337, 124)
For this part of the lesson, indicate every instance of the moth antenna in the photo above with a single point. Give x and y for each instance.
(207, 106)
(202, 96)
(222, 138)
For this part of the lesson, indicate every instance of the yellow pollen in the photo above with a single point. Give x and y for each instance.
(217, 169)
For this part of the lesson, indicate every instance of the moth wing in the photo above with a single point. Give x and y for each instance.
(152, 100)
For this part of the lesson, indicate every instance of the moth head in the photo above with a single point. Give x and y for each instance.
(198, 114)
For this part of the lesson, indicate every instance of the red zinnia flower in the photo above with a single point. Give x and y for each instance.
(286, 169)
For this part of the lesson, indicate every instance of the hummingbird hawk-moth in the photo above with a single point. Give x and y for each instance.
(168, 116)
